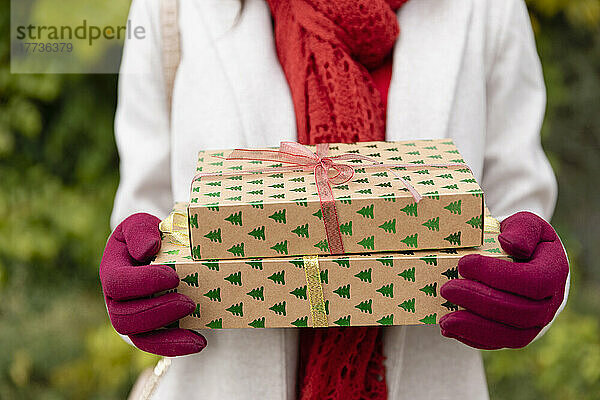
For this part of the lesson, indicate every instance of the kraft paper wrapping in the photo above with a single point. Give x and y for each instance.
(400, 288)
(279, 214)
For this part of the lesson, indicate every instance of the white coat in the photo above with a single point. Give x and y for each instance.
(464, 69)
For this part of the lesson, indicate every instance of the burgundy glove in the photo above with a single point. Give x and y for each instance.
(508, 303)
(128, 285)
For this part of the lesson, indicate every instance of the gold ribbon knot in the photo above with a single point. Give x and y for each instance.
(175, 228)
(491, 224)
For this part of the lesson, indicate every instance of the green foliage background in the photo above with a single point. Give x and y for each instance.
(58, 176)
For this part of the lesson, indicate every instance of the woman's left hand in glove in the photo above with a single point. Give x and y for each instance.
(506, 304)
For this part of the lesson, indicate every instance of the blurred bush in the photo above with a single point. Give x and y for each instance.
(58, 169)
(58, 178)
(565, 363)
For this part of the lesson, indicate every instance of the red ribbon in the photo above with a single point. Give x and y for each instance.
(300, 158)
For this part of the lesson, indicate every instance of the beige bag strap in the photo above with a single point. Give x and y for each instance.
(171, 47)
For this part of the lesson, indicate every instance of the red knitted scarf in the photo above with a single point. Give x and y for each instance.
(326, 48)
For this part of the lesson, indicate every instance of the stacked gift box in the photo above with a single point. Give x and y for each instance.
(270, 241)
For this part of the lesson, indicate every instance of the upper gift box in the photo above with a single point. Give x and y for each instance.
(333, 199)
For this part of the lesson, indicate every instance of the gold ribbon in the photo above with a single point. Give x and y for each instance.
(175, 228)
(491, 224)
(315, 291)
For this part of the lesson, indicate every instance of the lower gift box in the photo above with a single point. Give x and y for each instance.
(393, 288)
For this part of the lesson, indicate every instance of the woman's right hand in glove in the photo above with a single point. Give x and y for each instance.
(129, 283)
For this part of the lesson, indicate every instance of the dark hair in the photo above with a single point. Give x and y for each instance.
(239, 15)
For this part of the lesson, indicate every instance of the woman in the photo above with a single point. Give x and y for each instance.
(337, 70)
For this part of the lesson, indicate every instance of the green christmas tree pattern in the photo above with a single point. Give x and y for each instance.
(279, 216)
(325, 276)
(301, 231)
(387, 261)
(255, 264)
(212, 206)
(237, 250)
(367, 211)
(389, 226)
(386, 320)
(343, 262)
(301, 322)
(430, 260)
(215, 324)
(257, 293)
(214, 236)
(258, 233)
(303, 202)
(191, 279)
(408, 274)
(368, 243)
(433, 224)
(258, 323)
(281, 247)
(235, 278)
(410, 210)
(344, 321)
(454, 207)
(196, 252)
(450, 306)
(278, 277)
(451, 273)
(365, 306)
(429, 319)
(235, 218)
(430, 290)
(343, 291)
(365, 275)
(408, 305)
(475, 222)
(212, 265)
(196, 312)
(410, 240)
(300, 292)
(322, 245)
(214, 294)
(278, 308)
(236, 309)
(389, 197)
(257, 204)
(318, 214)
(387, 290)
(453, 238)
(346, 228)
(435, 195)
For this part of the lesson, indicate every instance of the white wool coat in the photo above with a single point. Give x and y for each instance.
(463, 69)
